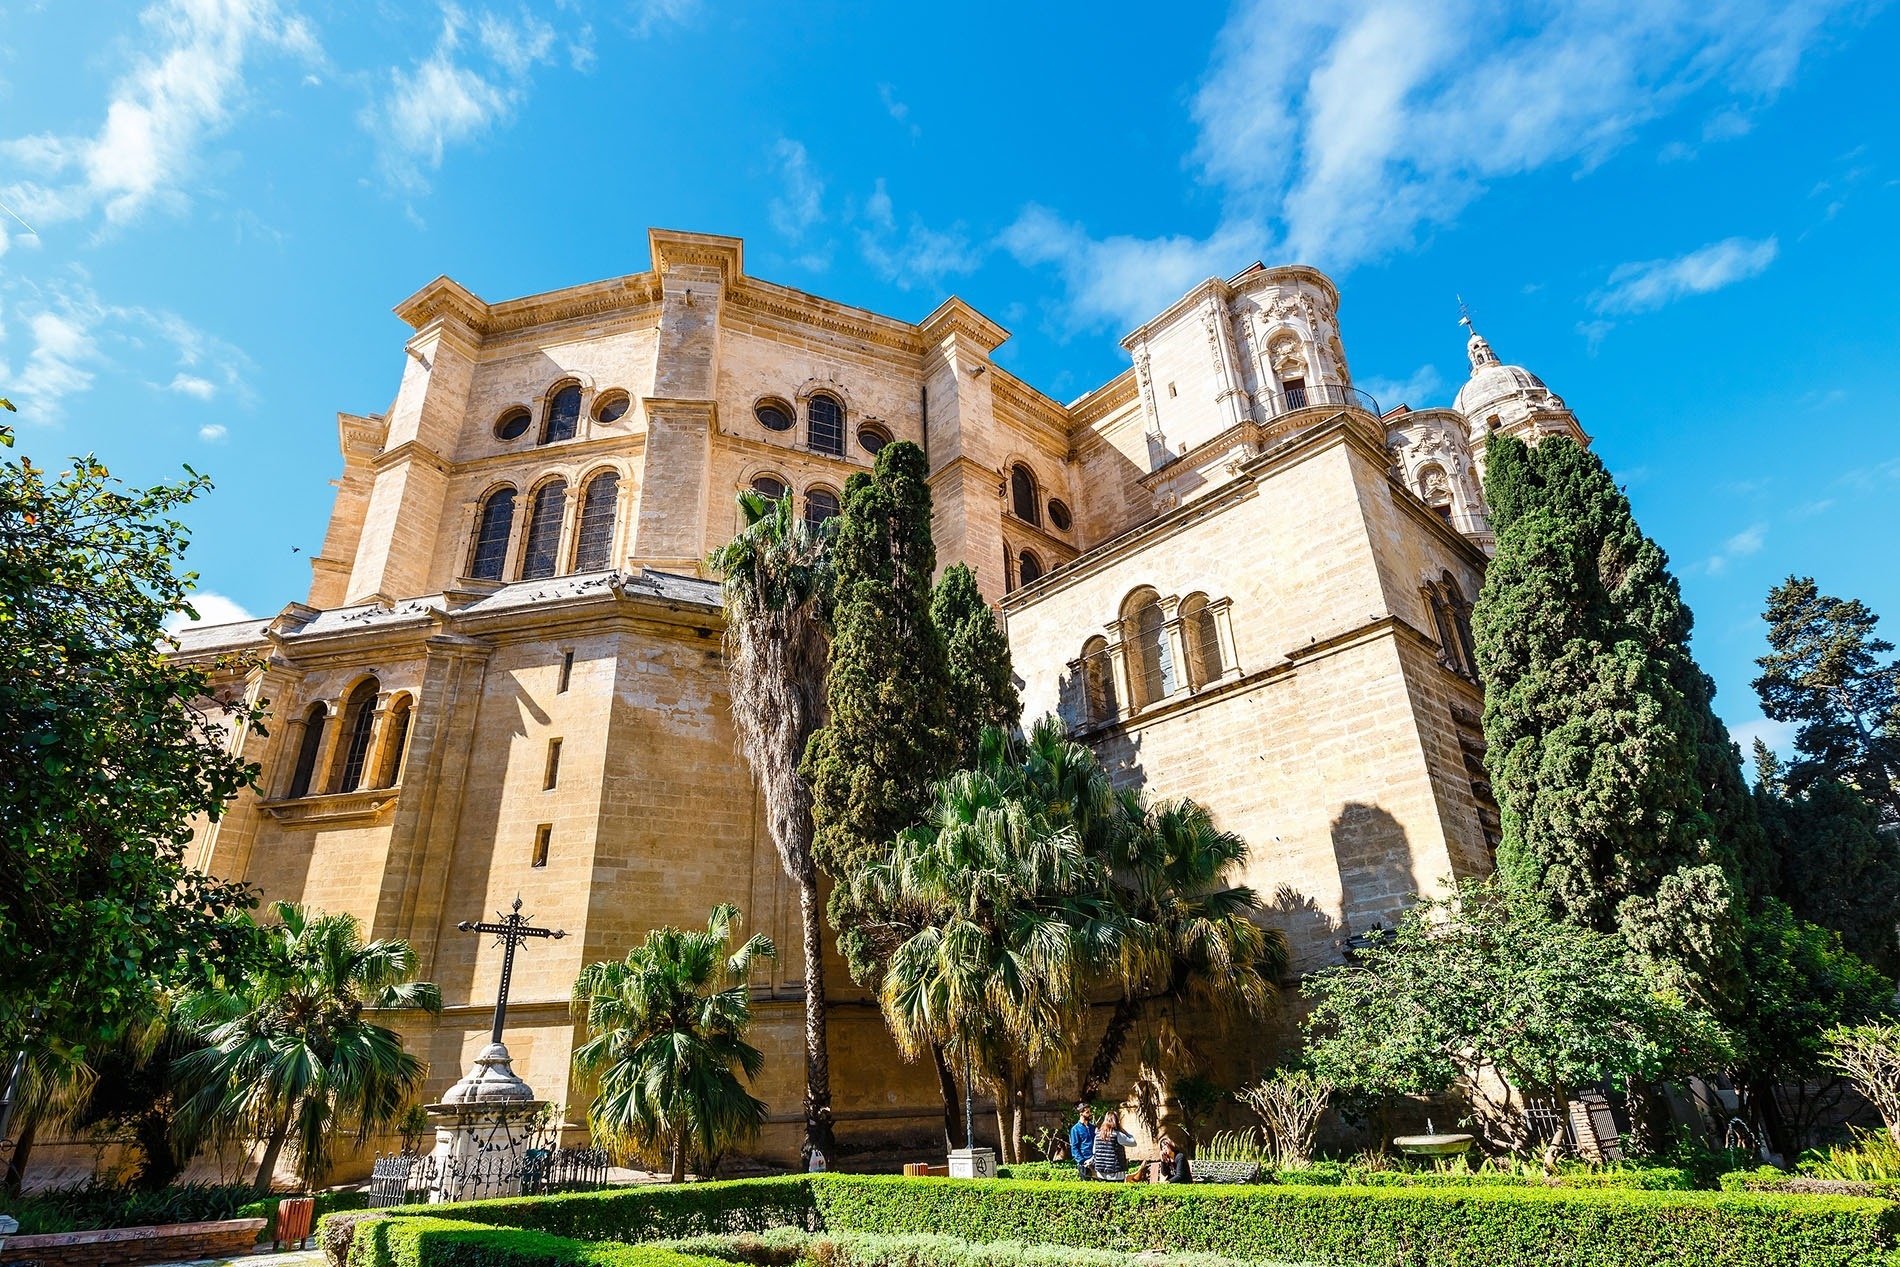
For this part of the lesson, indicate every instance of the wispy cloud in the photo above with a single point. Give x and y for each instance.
(457, 93)
(897, 109)
(192, 385)
(213, 433)
(1339, 134)
(1649, 284)
(184, 91)
(649, 16)
(1744, 543)
(916, 256)
(213, 608)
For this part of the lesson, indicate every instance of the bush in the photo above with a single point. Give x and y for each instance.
(433, 1242)
(1037, 1170)
(1769, 1179)
(866, 1249)
(1474, 1227)
(92, 1206)
(327, 1203)
(1639, 1178)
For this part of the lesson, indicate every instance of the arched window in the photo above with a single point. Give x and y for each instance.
(594, 544)
(820, 504)
(1434, 486)
(492, 527)
(1461, 625)
(396, 724)
(1203, 639)
(359, 720)
(1022, 494)
(824, 430)
(769, 486)
(308, 751)
(1098, 675)
(1151, 669)
(1028, 568)
(544, 531)
(564, 415)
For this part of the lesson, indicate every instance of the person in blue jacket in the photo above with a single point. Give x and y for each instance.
(1082, 1139)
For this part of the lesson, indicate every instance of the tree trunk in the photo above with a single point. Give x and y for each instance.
(952, 1106)
(817, 1056)
(1016, 1124)
(21, 1155)
(274, 1146)
(1114, 1038)
(679, 1158)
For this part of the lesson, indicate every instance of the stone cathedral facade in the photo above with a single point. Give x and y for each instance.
(1227, 568)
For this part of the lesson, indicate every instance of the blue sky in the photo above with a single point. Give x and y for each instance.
(1682, 215)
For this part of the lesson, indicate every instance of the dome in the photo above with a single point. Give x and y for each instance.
(1492, 383)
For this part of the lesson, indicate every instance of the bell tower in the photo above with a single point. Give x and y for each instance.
(1500, 399)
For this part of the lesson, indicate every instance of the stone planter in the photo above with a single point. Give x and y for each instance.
(133, 1246)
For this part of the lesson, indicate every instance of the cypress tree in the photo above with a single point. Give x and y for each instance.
(871, 766)
(981, 690)
(1622, 799)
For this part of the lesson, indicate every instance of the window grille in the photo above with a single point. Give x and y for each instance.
(362, 723)
(825, 425)
(306, 767)
(491, 536)
(544, 531)
(593, 549)
(564, 416)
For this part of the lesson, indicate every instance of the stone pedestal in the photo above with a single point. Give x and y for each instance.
(973, 1163)
(483, 1129)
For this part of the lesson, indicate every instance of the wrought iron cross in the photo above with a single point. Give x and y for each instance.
(509, 933)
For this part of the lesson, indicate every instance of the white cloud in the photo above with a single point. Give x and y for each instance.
(456, 93)
(1650, 284)
(160, 113)
(1778, 735)
(191, 385)
(1340, 134)
(801, 206)
(1744, 543)
(897, 109)
(213, 608)
(212, 433)
(1419, 390)
(1119, 280)
(73, 335)
(650, 15)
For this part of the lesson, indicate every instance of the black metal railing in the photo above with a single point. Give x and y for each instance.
(410, 1179)
(1315, 396)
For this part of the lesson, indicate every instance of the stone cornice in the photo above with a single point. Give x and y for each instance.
(1242, 283)
(629, 443)
(782, 307)
(1116, 393)
(1008, 390)
(954, 316)
(671, 248)
(361, 436)
(443, 298)
(412, 450)
(1212, 288)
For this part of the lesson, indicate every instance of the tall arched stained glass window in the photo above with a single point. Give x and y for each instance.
(397, 724)
(360, 716)
(594, 545)
(820, 504)
(542, 555)
(308, 751)
(1022, 494)
(825, 425)
(564, 415)
(1153, 667)
(492, 526)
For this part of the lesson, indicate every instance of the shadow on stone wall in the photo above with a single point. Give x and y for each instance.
(1374, 858)
(1312, 934)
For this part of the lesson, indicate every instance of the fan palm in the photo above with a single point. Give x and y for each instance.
(1008, 919)
(1193, 947)
(290, 1056)
(777, 652)
(667, 1042)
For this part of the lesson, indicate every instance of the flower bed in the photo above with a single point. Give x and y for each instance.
(1471, 1226)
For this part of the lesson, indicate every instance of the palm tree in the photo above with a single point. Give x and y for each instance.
(777, 652)
(290, 1058)
(1008, 920)
(1193, 947)
(667, 1029)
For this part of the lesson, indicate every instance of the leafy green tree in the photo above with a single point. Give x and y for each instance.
(774, 578)
(666, 1043)
(1838, 867)
(870, 768)
(1006, 922)
(1477, 985)
(980, 686)
(1192, 952)
(1622, 801)
(1826, 670)
(289, 1056)
(112, 752)
(1802, 983)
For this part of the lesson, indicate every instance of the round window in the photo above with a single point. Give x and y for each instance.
(773, 416)
(1059, 516)
(612, 409)
(513, 424)
(872, 439)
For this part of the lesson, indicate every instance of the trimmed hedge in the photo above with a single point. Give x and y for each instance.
(1472, 1227)
(1639, 1178)
(433, 1242)
(788, 1247)
(1395, 1226)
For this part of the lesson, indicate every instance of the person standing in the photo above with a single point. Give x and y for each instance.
(1082, 1139)
(1108, 1156)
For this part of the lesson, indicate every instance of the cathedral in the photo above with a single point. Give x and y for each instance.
(1232, 572)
